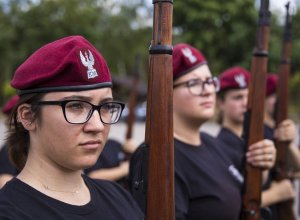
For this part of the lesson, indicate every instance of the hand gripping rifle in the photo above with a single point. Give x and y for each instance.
(284, 209)
(159, 120)
(254, 117)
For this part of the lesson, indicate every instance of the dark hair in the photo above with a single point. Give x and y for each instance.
(18, 139)
(220, 96)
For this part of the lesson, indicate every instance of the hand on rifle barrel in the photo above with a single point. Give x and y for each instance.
(262, 154)
(286, 131)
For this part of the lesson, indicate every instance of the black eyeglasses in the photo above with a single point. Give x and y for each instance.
(196, 86)
(79, 112)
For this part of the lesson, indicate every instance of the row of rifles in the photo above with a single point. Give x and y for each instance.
(159, 122)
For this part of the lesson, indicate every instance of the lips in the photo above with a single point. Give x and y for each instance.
(91, 145)
(207, 104)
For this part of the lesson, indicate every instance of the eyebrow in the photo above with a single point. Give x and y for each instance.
(86, 98)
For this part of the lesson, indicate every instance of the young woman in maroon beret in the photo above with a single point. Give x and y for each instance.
(207, 183)
(232, 100)
(59, 128)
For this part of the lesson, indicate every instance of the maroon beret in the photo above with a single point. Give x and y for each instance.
(272, 81)
(234, 78)
(68, 64)
(185, 59)
(9, 105)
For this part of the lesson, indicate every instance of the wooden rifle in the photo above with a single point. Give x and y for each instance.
(284, 209)
(254, 117)
(159, 120)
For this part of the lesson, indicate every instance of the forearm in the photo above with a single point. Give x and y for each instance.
(112, 174)
(294, 157)
(268, 198)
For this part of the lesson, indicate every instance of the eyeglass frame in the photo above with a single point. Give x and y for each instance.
(63, 104)
(203, 83)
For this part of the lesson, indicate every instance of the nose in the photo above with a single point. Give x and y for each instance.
(94, 123)
(207, 89)
(245, 101)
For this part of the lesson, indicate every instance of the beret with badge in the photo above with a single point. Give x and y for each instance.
(68, 64)
(234, 78)
(185, 59)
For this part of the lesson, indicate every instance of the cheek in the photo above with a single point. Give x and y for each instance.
(58, 133)
(182, 102)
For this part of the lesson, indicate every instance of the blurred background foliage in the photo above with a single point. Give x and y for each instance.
(224, 31)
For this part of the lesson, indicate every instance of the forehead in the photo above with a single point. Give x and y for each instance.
(201, 72)
(235, 92)
(94, 94)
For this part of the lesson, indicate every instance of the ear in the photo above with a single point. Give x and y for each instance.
(26, 117)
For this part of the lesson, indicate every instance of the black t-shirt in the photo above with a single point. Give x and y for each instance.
(19, 201)
(206, 183)
(6, 167)
(268, 132)
(234, 146)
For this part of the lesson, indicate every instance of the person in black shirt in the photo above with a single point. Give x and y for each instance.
(207, 184)
(59, 127)
(232, 99)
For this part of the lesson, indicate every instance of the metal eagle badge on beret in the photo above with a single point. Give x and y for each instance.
(189, 54)
(240, 80)
(89, 61)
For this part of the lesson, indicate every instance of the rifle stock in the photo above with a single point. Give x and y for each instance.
(254, 117)
(159, 119)
(284, 209)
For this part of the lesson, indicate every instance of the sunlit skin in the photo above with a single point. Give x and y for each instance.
(60, 150)
(269, 110)
(194, 109)
(233, 108)
(190, 112)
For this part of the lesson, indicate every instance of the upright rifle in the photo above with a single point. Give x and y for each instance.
(159, 119)
(254, 117)
(284, 209)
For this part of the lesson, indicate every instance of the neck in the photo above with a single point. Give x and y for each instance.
(268, 120)
(236, 128)
(49, 179)
(187, 132)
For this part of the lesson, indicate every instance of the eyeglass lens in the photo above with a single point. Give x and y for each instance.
(80, 112)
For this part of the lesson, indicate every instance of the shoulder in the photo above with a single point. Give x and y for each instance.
(113, 194)
(209, 140)
(107, 188)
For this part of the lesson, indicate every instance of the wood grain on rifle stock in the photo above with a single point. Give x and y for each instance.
(284, 209)
(159, 119)
(254, 121)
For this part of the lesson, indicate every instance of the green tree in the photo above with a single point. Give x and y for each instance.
(26, 25)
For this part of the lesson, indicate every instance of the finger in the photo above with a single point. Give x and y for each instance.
(263, 160)
(261, 144)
